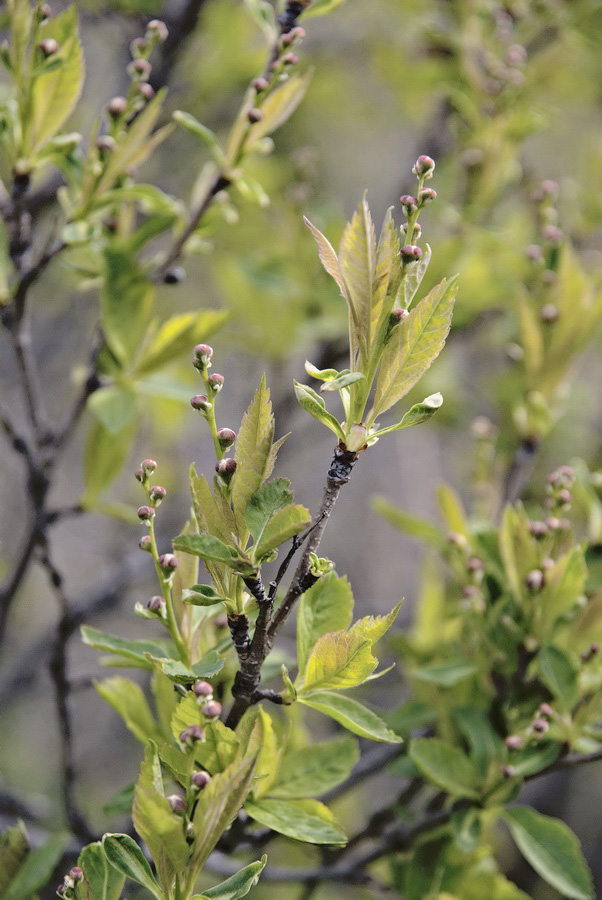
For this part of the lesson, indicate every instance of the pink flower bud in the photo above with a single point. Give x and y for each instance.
(117, 106)
(202, 688)
(177, 803)
(105, 143)
(138, 46)
(226, 437)
(139, 475)
(159, 29)
(254, 115)
(142, 67)
(145, 543)
(191, 734)
(156, 604)
(157, 494)
(212, 709)
(426, 195)
(408, 202)
(290, 59)
(540, 726)
(216, 382)
(175, 275)
(538, 529)
(49, 47)
(410, 253)
(201, 402)
(149, 466)
(260, 84)
(226, 468)
(549, 313)
(546, 710)
(76, 873)
(201, 355)
(508, 771)
(514, 742)
(145, 90)
(145, 513)
(168, 563)
(424, 165)
(298, 32)
(534, 580)
(200, 779)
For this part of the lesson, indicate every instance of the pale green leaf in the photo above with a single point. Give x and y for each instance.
(105, 454)
(14, 848)
(413, 278)
(321, 8)
(106, 883)
(238, 885)
(269, 498)
(175, 336)
(326, 606)
(188, 121)
(315, 406)
(413, 347)
(330, 261)
(113, 406)
(127, 698)
(553, 850)
(35, 869)
(134, 650)
(416, 415)
(312, 771)
(338, 660)
(284, 524)
(388, 273)
(126, 303)
(125, 855)
(212, 512)
(445, 766)
(218, 750)
(207, 667)
(279, 106)
(303, 820)
(559, 674)
(406, 522)
(373, 628)
(254, 461)
(446, 674)
(210, 548)
(353, 716)
(357, 261)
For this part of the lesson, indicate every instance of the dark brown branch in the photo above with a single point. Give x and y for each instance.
(519, 470)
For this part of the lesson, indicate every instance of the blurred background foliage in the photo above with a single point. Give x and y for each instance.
(503, 96)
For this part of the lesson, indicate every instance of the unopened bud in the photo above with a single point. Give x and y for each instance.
(298, 32)
(290, 59)
(534, 580)
(426, 195)
(226, 468)
(202, 688)
(546, 710)
(145, 513)
(145, 90)
(105, 143)
(159, 29)
(565, 497)
(200, 779)
(516, 55)
(540, 726)
(254, 115)
(76, 873)
(138, 46)
(117, 106)
(508, 771)
(46, 10)
(549, 188)
(177, 803)
(156, 604)
(514, 742)
(455, 537)
(49, 47)
(549, 313)
(175, 275)
(397, 316)
(216, 382)
(475, 564)
(201, 355)
(534, 253)
(168, 563)
(547, 563)
(424, 165)
(212, 709)
(226, 437)
(409, 204)
(591, 651)
(410, 253)
(191, 734)
(260, 84)
(201, 402)
(145, 543)
(554, 523)
(139, 475)
(142, 68)
(149, 466)
(553, 235)
(157, 494)
(538, 529)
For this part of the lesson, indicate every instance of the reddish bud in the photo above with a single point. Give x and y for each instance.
(156, 604)
(46, 10)
(105, 143)
(138, 46)
(565, 497)
(177, 803)
(145, 513)
(409, 203)
(216, 382)
(540, 726)
(76, 873)
(139, 475)
(191, 734)
(534, 580)
(117, 106)
(145, 543)
(254, 114)
(158, 29)
(553, 235)
(298, 32)
(145, 90)
(149, 466)
(49, 47)
(398, 315)
(142, 67)
(508, 771)
(202, 353)
(426, 195)
(591, 651)
(212, 709)
(157, 494)
(410, 253)
(168, 563)
(226, 468)
(201, 402)
(514, 742)
(549, 313)
(290, 59)
(546, 710)
(202, 688)
(475, 564)
(538, 529)
(200, 779)
(424, 165)
(260, 84)
(226, 437)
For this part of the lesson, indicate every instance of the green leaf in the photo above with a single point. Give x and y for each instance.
(14, 848)
(357, 261)
(133, 650)
(373, 628)
(218, 750)
(284, 524)
(106, 883)
(125, 855)
(446, 674)
(321, 8)
(535, 758)
(36, 869)
(279, 106)
(445, 766)
(210, 548)
(326, 606)
(303, 820)
(413, 347)
(553, 851)
(559, 675)
(212, 511)
(127, 698)
(158, 826)
(54, 95)
(353, 716)
(202, 595)
(387, 276)
(113, 406)
(126, 303)
(420, 412)
(187, 121)
(412, 525)
(238, 885)
(176, 336)
(330, 261)
(269, 498)
(338, 660)
(343, 379)
(413, 278)
(207, 667)
(254, 456)
(263, 15)
(105, 455)
(312, 771)
(217, 805)
(315, 406)
(484, 743)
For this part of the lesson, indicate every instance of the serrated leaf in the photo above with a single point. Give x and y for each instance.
(134, 650)
(326, 606)
(330, 261)
(213, 515)
(176, 336)
(312, 771)
(373, 628)
(339, 660)
(303, 820)
(357, 261)
(218, 750)
(264, 739)
(210, 548)
(126, 303)
(283, 525)
(315, 406)
(238, 885)
(55, 94)
(445, 766)
(124, 854)
(413, 347)
(413, 278)
(106, 883)
(552, 849)
(207, 667)
(416, 415)
(254, 460)
(127, 699)
(353, 716)
(36, 869)
(279, 106)
(388, 272)
(269, 498)
(113, 406)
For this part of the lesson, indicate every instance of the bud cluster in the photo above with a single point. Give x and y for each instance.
(412, 206)
(544, 255)
(282, 62)
(223, 438)
(203, 692)
(68, 887)
(558, 490)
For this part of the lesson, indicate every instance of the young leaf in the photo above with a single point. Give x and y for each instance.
(113, 406)
(312, 771)
(126, 302)
(254, 460)
(343, 379)
(269, 498)
(202, 595)
(175, 336)
(36, 869)
(413, 347)
(446, 766)
(321, 8)
(388, 272)
(212, 515)
(326, 606)
(125, 855)
(338, 660)
(279, 106)
(330, 261)
(559, 675)
(357, 261)
(416, 415)
(207, 667)
(284, 524)
(413, 278)
(353, 716)
(127, 698)
(553, 851)
(446, 674)
(132, 650)
(412, 525)
(373, 628)
(14, 848)
(211, 548)
(105, 455)
(218, 750)
(303, 820)
(187, 121)
(484, 743)
(106, 883)
(315, 406)
(238, 885)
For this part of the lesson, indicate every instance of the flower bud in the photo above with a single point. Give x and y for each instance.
(175, 275)
(76, 873)
(177, 803)
(49, 47)
(298, 32)
(145, 90)
(156, 604)
(212, 709)
(475, 564)
(409, 204)
(534, 580)
(142, 68)
(287, 39)
(117, 106)
(202, 688)
(138, 46)
(45, 10)
(397, 316)
(540, 726)
(200, 779)
(202, 353)
(201, 402)
(145, 513)
(145, 543)
(426, 195)
(168, 563)
(424, 165)
(553, 235)
(508, 771)
(455, 537)
(191, 734)
(149, 466)
(226, 468)
(105, 143)
(538, 529)
(549, 313)
(216, 382)
(139, 475)
(254, 115)
(290, 59)
(547, 563)
(516, 55)
(550, 188)
(226, 437)
(410, 253)
(592, 650)
(158, 29)
(554, 523)
(546, 710)
(534, 253)
(157, 494)
(514, 742)
(62, 889)
(565, 497)
(260, 84)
